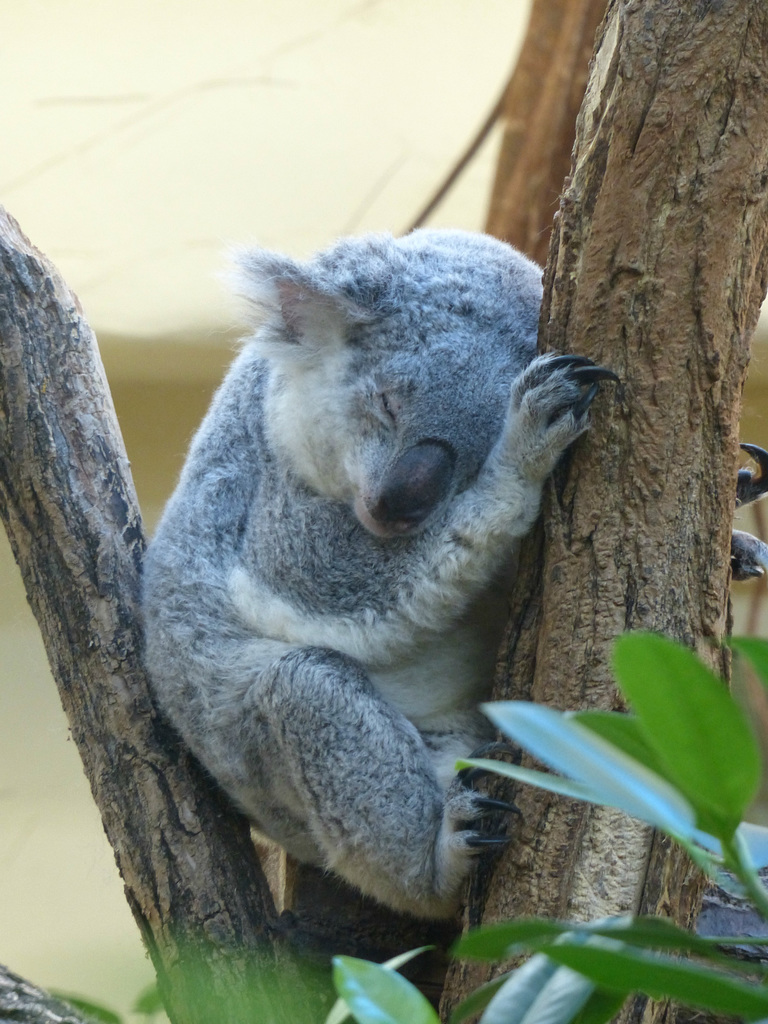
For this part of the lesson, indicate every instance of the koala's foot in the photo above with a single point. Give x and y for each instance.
(480, 806)
(549, 409)
(340, 778)
(462, 837)
(749, 556)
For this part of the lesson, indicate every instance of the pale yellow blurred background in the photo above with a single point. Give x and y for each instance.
(139, 141)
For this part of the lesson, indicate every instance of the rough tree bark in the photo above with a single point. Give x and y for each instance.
(66, 498)
(657, 269)
(22, 1002)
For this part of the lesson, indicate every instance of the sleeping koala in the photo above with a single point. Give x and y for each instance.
(324, 596)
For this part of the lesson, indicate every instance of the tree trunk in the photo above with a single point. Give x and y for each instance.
(191, 875)
(657, 269)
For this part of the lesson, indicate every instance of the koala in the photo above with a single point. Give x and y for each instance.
(325, 593)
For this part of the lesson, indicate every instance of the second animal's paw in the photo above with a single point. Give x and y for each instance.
(549, 409)
(750, 485)
(749, 555)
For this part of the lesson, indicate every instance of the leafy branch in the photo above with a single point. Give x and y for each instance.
(686, 761)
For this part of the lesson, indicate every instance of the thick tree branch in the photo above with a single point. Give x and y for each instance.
(191, 875)
(23, 1003)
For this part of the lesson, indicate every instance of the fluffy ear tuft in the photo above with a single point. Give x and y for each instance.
(255, 275)
(289, 303)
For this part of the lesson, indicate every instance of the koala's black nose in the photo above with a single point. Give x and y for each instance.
(416, 483)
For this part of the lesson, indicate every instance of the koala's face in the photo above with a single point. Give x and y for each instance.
(392, 364)
(425, 424)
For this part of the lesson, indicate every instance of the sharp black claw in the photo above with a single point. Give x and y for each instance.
(469, 776)
(751, 486)
(477, 842)
(760, 455)
(557, 362)
(488, 803)
(590, 374)
(583, 404)
(494, 747)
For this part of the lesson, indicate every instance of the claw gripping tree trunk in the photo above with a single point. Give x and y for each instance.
(657, 268)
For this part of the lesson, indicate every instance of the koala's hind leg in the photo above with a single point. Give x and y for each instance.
(358, 775)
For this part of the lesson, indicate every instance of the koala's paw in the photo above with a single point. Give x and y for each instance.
(549, 409)
(466, 830)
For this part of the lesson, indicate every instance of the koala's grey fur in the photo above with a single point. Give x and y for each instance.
(325, 593)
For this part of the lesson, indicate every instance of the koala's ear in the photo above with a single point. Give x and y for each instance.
(288, 303)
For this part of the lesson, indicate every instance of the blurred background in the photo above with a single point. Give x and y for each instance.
(140, 140)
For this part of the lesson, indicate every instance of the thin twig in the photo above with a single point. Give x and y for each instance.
(453, 175)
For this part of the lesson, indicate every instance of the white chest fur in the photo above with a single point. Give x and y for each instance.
(426, 674)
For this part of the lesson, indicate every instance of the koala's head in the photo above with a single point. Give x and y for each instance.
(391, 363)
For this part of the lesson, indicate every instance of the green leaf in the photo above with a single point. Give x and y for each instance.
(514, 999)
(755, 839)
(739, 858)
(378, 995)
(755, 651)
(624, 732)
(477, 1000)
(600, 1008)
(693, 725)
(148, 1001)
(557, 1000)
(614, 778)
(339, 1012)
(552, 783)
(660, 933)
(624, 969)
(497, 941)
(396, 962)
